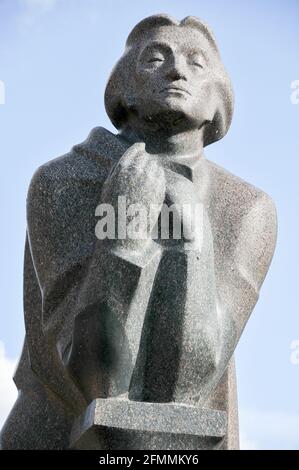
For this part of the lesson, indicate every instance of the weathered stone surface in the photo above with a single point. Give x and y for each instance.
(147, 323)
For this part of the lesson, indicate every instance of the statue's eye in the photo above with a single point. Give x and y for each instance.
(196, 60)
(197, 64)
(157, 58)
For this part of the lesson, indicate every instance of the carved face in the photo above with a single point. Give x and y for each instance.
(173, 76)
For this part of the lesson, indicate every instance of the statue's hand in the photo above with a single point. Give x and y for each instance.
(137, 182)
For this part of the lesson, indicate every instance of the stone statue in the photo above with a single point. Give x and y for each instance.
(130, 340)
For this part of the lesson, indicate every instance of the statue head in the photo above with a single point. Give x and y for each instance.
(171, 72)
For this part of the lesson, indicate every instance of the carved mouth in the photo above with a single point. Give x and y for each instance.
(175, 89)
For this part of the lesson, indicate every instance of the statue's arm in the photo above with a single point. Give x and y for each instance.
(136, 181)
(46, 269)
(240, 273)
(245, 269)
(116, 289)
(118, 274)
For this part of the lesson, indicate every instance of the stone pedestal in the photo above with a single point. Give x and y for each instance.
(121, 424)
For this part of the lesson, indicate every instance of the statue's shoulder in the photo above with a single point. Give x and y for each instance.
(236, 196)
(66, 191)
(62, 198)
(89, 161)
(246, 217)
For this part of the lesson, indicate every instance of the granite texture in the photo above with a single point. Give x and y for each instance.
(142, 331)
(112, 423)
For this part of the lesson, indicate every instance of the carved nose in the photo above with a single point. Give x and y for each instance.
(175, 75)
(176, 71)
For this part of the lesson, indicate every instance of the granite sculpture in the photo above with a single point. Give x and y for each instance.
(130, 339)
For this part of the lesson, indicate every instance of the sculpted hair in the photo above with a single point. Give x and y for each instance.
(119, 93)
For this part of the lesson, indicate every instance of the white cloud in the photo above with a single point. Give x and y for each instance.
(8, 391)
(272, 430)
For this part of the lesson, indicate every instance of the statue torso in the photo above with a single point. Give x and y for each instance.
(65, 193)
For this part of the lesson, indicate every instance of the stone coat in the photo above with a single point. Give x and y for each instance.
(60, 245)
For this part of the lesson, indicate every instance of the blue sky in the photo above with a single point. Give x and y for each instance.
(55, 57)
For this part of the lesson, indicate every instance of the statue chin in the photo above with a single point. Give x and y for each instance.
(170, 119)
(173, 112)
